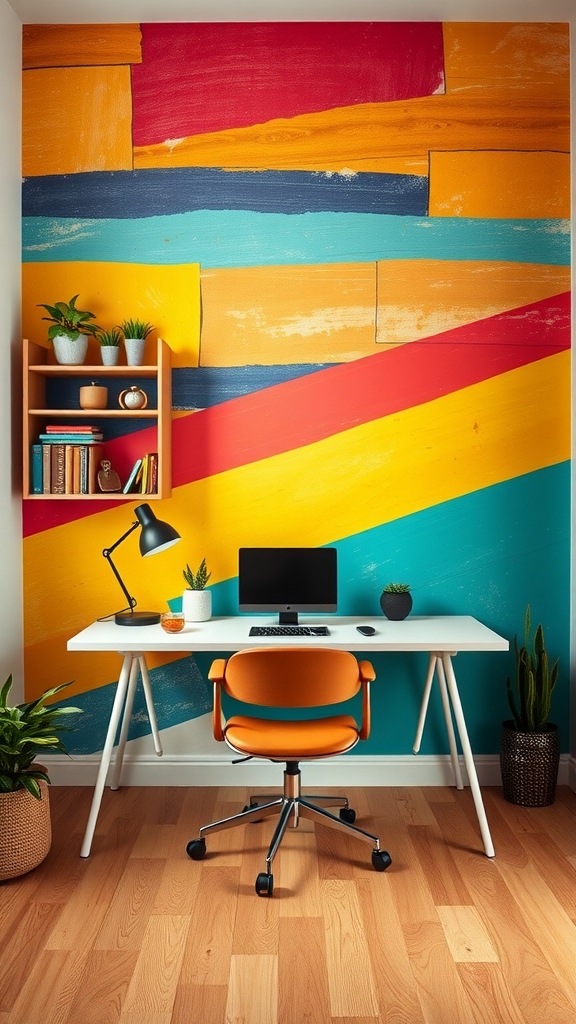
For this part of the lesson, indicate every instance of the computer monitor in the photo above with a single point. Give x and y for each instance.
(287, 581)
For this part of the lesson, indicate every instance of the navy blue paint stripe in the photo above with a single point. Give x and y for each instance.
(160, 192)
(203, 386)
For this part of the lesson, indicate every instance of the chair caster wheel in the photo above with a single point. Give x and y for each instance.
(347, 814)
(265, 884)
(196, 849)
(381, 860)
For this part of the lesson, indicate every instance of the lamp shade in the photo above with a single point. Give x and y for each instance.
(155, 535)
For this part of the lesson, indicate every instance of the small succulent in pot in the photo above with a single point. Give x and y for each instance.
(396, 601)
(110, 339)
(136, 329)
(197, 580)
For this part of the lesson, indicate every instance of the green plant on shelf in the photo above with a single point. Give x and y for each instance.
(69, 322)
(136, 329)
(110, 339)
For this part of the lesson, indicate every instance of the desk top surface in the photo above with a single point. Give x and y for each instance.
(230, 633)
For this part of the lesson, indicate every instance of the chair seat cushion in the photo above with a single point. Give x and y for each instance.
(291, 741)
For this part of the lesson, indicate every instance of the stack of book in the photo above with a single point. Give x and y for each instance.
(66, 460)
(144, 476)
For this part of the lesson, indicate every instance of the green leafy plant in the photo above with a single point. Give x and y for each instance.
(23, 729)
(535, 681)
(136, 329)
(110, 339)
(68, 321)
(397, 588)
(197, 580)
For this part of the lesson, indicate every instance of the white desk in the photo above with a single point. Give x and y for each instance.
(440, 636)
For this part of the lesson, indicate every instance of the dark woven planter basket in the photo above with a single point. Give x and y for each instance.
(396, 606)
(529, 762)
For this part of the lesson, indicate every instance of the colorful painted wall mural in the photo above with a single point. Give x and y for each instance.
(355, 239)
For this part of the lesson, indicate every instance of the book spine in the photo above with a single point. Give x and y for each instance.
(94, 457)
(153, 474)
(83, 469)
(46, 469)
(36, 469)
(68, 469)
(57, 469)
(76, 469)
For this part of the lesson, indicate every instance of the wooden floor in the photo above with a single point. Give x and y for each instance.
(140, 934)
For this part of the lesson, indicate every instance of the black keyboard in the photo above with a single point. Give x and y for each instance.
(289, 631)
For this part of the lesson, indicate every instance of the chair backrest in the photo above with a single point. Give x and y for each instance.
(292, 677)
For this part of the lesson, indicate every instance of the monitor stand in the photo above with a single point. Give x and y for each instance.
(288, 618)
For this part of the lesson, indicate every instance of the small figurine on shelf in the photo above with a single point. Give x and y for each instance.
(108, 479)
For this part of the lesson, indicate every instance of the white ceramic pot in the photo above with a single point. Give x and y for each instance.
(109, 354)
(134, 351)
(197, 605)
(70, 352)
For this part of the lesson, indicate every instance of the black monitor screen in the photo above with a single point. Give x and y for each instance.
(287, 580)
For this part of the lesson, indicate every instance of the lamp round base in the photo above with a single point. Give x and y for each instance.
(137, 618)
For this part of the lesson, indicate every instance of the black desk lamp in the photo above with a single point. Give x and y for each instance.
(156, 536)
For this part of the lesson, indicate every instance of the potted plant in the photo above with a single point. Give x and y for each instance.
(70, 330)
(25, 835)
(396, 600)
(196, 600)
(529, 745)
(135, 333)
(110, 342)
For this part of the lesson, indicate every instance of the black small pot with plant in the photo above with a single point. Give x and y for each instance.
(396, 600)
(529, 744)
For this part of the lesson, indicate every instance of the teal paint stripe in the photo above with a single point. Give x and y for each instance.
(241, 239)
(487, 554)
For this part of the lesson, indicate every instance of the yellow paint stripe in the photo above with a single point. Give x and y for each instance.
(76, 119)
(167, 296)
(290, 314)
(45, 46)
(420, 298)
(506, 184)
(504, 427)
(533, 119)
(48, 664)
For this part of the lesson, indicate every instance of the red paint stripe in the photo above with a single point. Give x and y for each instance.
(303, 411)
(196, 78)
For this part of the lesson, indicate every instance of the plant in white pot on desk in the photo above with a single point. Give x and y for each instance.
(135, 333)
(529, 745)
(69, 331)
(196, 600)
(25, 831)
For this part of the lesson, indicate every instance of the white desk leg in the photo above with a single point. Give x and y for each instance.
(119, 758)
(425, 701)
(449, 725)
(150, 704)
(468, 756)
(106, 754)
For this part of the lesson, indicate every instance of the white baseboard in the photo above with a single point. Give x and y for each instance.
(217, 770)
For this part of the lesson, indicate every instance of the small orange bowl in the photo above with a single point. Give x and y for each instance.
(172, 622)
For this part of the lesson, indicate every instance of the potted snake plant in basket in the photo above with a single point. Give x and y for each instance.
(196, 600)
(529, 745)
(25, 832)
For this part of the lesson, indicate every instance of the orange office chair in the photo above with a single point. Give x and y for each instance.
(291, 677)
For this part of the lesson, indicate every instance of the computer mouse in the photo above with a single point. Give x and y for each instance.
(366, 630)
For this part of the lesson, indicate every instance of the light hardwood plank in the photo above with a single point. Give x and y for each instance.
(125, 922)
(256, 924)
(488, 994)
(298, 874)
(50, 989)
(466, 935)
(444, 880)
(430, 959)
(178, 888)
(18, 948)
(350, 982)
(153, 841)
(103, 987)
(152, 988)
(202, 1003)
(303, 978)
(209, 945)
(252, 990)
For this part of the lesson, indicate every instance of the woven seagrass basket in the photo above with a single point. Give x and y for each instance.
(25, 831)
(529, 762)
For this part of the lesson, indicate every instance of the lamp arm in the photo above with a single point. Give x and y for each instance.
(107, 553)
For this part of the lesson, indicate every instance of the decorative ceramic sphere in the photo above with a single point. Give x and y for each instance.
(133, 398)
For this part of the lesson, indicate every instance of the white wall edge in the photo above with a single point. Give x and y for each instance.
(214, 770)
